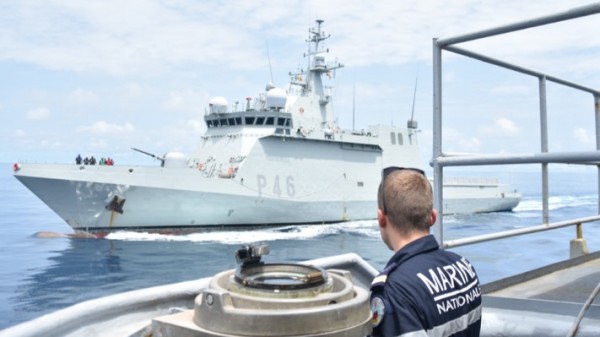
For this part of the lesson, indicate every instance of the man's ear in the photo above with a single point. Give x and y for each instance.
(381, 218)
(434, 214)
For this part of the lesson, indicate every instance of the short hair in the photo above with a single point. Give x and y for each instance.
(408, 200)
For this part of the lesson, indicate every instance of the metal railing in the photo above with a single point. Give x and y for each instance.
(544, 157)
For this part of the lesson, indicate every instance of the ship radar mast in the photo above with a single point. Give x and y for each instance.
(316, 35)
(316, 63)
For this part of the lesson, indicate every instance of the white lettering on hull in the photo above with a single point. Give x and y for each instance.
(262, 184)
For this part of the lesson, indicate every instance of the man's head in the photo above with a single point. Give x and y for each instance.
(405, 201)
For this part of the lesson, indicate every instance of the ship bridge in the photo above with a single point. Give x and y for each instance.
(281, 121)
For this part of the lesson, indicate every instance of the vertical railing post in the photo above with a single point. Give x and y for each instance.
(544, 148)
(438, 175)
(597, 116)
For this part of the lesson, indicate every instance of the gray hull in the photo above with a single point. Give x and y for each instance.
(195, 202)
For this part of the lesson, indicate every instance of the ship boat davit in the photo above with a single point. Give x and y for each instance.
(281, 159)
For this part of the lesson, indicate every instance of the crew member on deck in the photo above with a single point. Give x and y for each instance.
(78, 159)
(423, 290)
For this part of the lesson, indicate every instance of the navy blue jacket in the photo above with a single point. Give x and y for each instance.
(426, 291)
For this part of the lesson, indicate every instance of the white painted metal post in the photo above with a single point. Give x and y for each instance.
(597, 115)
(544, 145)
(438, 173)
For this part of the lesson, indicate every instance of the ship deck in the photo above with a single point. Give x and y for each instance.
(554, 295)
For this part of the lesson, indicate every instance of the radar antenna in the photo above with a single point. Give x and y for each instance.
(269, 59)
(412, 124)
(353, 104)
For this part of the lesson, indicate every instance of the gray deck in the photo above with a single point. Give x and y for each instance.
(545, 301)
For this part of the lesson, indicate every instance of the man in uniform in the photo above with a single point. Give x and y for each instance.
(423, 290)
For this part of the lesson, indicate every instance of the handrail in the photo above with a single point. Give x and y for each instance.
(544, 157)
(541, 21)
(580, 157)
(516, 232)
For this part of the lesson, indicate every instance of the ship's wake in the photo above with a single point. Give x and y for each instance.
(557, 202)
(366, 228)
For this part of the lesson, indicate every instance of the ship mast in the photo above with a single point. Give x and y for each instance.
(311, 82)
(316, 35)
(317, 65)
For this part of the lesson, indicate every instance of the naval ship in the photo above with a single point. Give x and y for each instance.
(280, 159)
(328, 296)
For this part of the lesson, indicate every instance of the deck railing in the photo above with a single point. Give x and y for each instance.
(544, 157)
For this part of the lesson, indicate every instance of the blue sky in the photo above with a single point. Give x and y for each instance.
(100, 77)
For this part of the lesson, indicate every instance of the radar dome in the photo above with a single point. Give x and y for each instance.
(218, 104)
(175, 159)
(276, 98)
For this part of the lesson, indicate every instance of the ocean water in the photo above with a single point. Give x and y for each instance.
(39, 275)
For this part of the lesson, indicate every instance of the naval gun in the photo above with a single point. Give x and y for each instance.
(170, 159)
(162, 159)
(273, 299)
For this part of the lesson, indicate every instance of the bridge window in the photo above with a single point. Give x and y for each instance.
(393, 138)
(238, 121)
(223, 121)
(231, 121)
(249, 120)
(400, 139)
(280, 121)
(270, 121)
(260, 120)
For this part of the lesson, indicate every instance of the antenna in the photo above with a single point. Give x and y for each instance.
(412, 114)
(412, 124)
(269, 58)
(353, 104)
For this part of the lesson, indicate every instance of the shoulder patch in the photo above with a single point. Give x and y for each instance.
(377, 310)
(379, 280)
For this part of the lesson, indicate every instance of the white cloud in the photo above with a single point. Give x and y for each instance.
(197, 126)
(456, 141)
(174, 101)
(131, 90)
(122, 38)
(584, 137)
(507, 127)
(502, 127)
(189, 101)
(511, 89)
(99, 144)
(378, 90)
(38, 114)
(102, 127)
(51, 144)
(19, 133)
(136, 59)
(147, 36)
(81, 96)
